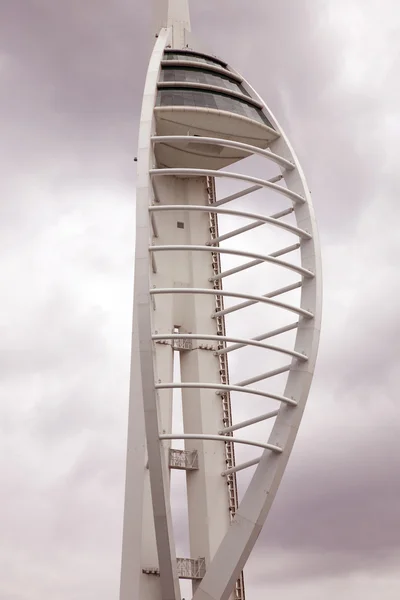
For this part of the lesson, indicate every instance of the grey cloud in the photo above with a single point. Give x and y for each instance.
(343, 504)
(296, 61)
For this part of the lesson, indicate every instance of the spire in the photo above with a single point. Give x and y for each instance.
(175, 14)
(179, 20)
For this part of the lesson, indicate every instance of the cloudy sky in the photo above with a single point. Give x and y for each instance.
(71, 75)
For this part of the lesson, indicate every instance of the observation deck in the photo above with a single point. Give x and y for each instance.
(198, 95)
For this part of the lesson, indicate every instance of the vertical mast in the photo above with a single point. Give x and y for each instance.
(175, 14)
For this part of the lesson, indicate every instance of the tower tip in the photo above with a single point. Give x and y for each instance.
(175, 14)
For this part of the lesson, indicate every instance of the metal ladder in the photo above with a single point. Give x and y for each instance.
(224, 373)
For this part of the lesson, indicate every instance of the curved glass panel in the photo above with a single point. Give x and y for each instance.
(207, 99)
(178, 74)
(188, 56)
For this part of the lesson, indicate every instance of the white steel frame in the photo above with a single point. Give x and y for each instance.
(148, 444)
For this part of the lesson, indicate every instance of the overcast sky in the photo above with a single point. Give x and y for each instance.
(71, 75)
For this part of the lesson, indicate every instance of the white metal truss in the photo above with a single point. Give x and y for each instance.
(183, 459)
(220, 575)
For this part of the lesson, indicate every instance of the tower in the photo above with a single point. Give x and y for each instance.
(200, 122)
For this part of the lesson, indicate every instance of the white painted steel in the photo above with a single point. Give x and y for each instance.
(235, 232)
(224, 338)
(278, 292)
(236, 213)
(241, 467)
(223, 388)
(282, 162)
(174, 296)
(264, 376)
(219, 438)
(242, 424)
(269, 258)
(154, 526)
(263, 299)
(241, 194)
(294, 196)
(256, 503)
(263, 336)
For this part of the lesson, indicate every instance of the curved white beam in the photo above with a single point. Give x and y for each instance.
(241, 342)
(259, 419)
(229, 175)
(279, 160)
(278, 292)
(194, 385)
(241, 467)
(263, 299)
(264, 376)
(158, 471)
(232, 554)
(191, 248)
(219, 438)
(236, 213)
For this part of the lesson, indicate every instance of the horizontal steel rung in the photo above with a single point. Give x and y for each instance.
(241, 194)
(240, 230)
(283, 162)
(252, 263)
(264, 376)
(285, 250)
(246, 191)
(267, 259)
(263, 336)
(229, 175)
(279, 292)
(223, 388)
(241, 467)
(224, 338)
(211, 208)
(205, 291)
(219, 438)
(242, 424)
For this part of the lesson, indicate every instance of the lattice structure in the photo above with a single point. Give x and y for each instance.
(199, 118)
(182, 344)
(188, 568)
(183, 459)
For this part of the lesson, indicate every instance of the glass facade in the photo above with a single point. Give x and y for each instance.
(177, 74)
(188, 56)
(207, 99)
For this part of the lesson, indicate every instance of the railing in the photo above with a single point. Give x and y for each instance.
(187, 460)
(188, 568)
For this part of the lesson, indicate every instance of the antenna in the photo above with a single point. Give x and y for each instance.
(175, 14)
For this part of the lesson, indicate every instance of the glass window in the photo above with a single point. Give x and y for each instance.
(198, 76)
(206, 99)
(188, 56)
